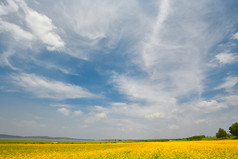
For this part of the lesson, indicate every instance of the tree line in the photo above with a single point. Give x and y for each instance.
(221, 134)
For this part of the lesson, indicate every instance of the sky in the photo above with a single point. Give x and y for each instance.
(102, 69)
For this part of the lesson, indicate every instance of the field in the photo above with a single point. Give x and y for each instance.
(223, 149)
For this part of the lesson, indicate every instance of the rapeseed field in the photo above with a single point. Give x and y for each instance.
(224, 149)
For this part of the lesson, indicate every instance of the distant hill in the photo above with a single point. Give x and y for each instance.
(9, 136)
(36, 137)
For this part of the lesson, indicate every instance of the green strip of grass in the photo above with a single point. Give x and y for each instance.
(101, 142)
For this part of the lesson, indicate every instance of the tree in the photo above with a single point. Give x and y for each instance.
(221, 133)
(234, 129)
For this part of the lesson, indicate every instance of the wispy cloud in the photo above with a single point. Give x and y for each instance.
(42, 27)
(4, 60)
(229, 83)
(28, 29)
(39, 26)
(171, 59)
(16, 31)
(96, 25)
(226, 58)
(165, 59)
(164, 7)
(46, 88)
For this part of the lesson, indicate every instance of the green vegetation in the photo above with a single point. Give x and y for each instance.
(222, 133)
(234, 129)
(194, 138)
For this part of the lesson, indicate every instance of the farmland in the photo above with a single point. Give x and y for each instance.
(172, 149)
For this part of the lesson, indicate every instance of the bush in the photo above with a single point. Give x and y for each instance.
(196, 138)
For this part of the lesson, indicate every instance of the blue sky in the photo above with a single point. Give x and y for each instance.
(118, 69)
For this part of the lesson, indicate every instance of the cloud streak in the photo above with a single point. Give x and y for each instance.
(46, 88)
(229, 83)
(17, 32)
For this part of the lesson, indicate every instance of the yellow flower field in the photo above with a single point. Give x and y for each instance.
(225, 149)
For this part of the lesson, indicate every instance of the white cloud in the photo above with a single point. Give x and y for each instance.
(47, 88)
(10, 7)
(171, 61)
(155, 115)
(200, 121)
(78, 112)
(152, 40)
(96, 113)
(230, 99)
(4, 60)
(135, 88)
(173, 127)
(77, 27)
(101, 115)
(42, 27)
(17, 32)
(235, 36)
(124, 116)
(170, 57)
(99, 112)
(164, 7)
(226, 58)
(64, 111)
(94, 25)
(88, 14)
(209, 106)
(136, 110)
(229, 83)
